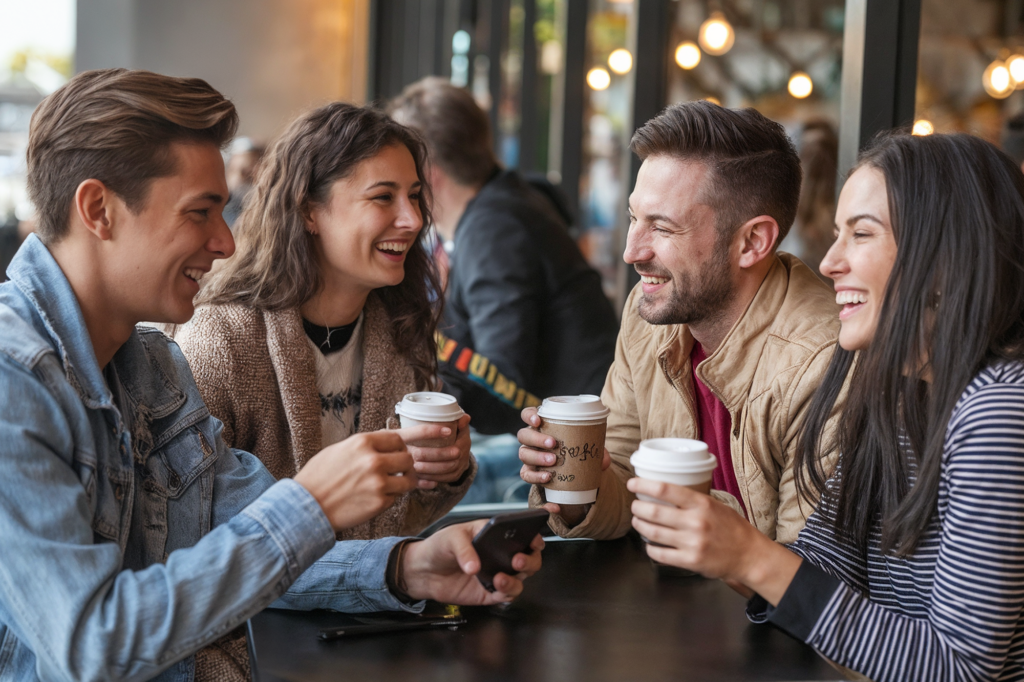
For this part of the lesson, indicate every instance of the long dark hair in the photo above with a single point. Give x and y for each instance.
(954, 302)
(274, 267)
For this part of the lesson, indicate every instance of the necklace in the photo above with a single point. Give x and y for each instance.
(326, 326)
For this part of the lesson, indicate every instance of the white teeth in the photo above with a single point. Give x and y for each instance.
(847, 297)
(397, 247)
(646, 279)
(194, 274)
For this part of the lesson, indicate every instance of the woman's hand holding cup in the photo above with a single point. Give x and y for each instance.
(443, 464)
(436, 431)
(697, 532)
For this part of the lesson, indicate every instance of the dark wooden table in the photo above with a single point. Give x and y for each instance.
(596, 611)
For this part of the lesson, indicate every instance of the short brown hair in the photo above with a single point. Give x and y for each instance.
(754, 167)
(116, 126)
(455, 128)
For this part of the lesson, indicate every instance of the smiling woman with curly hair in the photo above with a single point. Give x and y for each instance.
(324, 318)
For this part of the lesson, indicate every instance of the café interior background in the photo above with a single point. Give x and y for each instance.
(275, 58)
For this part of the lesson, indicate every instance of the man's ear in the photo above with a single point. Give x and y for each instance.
(94, 208)
(758, 237)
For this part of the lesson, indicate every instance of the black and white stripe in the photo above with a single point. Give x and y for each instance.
(954, 610)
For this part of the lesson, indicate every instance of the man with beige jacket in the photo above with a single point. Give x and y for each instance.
(724, 339)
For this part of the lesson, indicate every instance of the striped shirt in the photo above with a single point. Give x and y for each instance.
(953, 609)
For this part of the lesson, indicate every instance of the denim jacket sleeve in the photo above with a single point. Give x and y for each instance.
(64, 593)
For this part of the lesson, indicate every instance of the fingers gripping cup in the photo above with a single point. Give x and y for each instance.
(578, 424)
(680, 461)
(431, 408)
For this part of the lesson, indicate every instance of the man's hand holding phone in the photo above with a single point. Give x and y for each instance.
(444, 567)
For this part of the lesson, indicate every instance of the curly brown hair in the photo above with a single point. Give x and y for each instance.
(274, 267)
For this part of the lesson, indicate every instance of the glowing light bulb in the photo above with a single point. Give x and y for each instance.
(687, 55)
(620, 61)
(997, 80)
(800, 85)
(716, 35)
(923, 127)
(1015, 64)
(598, 78)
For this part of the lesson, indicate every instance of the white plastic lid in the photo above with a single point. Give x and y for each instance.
(674, 455)
(429, 407)
(576, 408)
(673, 449)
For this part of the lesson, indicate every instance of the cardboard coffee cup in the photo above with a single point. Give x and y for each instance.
(578, 424)
(680, 461)
(426, 407)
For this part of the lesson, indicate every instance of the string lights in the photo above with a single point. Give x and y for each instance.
(620, 61)
(997, 80)
(800, 85)
(687, 55)
(716, 35)
(923, 127)
(598, 78)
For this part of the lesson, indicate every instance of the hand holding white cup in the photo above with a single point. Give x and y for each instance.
(680, 461)
(427, 407)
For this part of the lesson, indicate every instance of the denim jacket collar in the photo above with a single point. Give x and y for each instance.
(38, 276)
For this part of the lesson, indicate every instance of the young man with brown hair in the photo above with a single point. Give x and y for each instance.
(723, 340)
(519, 291)
(132, 536)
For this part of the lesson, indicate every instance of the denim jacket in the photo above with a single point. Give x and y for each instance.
(130, 538)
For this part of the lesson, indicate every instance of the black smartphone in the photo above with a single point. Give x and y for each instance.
(502, 538)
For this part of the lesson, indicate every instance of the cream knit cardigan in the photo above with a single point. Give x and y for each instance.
(256, 372)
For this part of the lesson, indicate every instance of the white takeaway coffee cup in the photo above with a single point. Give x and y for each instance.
(680, 461)
(427, 407)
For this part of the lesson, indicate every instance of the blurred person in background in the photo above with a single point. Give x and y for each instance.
(324, 318)
(519, 294)
(812, 232)
(243, 163)
(12, 233)
(1012, 138)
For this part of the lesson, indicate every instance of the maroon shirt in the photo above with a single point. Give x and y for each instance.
(714, 425)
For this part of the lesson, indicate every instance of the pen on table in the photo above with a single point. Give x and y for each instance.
(377, 628)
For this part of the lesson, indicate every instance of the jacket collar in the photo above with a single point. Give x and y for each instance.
(39, 278)
(295, 368)
(727, 371)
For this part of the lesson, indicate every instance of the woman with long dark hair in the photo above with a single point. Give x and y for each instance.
(325, 316)
(912, 566)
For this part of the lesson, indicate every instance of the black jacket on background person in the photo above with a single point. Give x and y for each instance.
(521, 294)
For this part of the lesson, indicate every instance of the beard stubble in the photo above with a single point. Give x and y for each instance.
(696, 297)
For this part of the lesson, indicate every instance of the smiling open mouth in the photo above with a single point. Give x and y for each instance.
(650, 279)
(392, 248)
(194, 274)
(852, 301)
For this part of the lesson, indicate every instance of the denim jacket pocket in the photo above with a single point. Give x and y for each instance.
(173, 467)
(107, 489)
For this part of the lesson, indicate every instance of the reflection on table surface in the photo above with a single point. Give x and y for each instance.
(597, 611)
